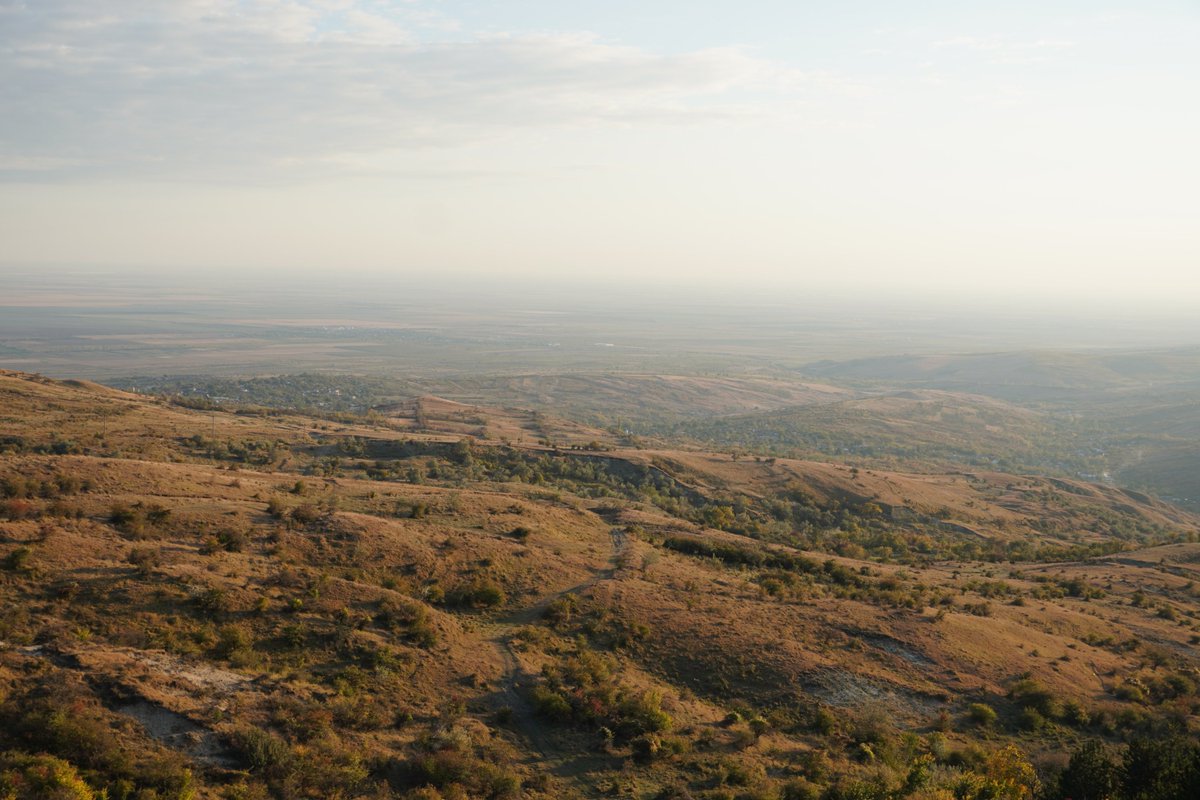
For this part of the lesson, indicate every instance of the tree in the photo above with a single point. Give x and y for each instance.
(1162, 769)
(1009, 775)
(1091, 774)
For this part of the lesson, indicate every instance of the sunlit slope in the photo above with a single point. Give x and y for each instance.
(274, 605)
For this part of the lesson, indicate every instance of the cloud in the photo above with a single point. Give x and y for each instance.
(223, 89)
(1007, 51)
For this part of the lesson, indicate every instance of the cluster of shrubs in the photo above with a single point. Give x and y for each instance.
(80, 753)
(409, 619)
(450, 763)
(757, 557)
(1156, 689)
(246, 451)
(300, 516)
(228, 539)
(914, 768)
(789, 574)
(321, 768)
(583, 689)
(1040, 705)
(480, 593)
(22, 497)
(58, 485)
(140, 520)
(603, 625)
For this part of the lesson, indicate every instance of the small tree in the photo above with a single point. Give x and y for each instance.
(1091, 774)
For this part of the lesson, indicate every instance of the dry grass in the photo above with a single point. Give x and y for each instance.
(367, 624)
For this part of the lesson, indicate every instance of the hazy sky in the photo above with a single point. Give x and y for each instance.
(1024, 147)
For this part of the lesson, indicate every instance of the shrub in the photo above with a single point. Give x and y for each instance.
(233, 540)
(1131, 691)
(37, 777)
(1030, 694)
(212, 600)
(304, 721)
(16, 510)
(410, 618)
(642, 713)
(122, 515)
(479, 594)
(550, 704)
(1008, 775)
(233, 640)
(799, 789)
(19, 560)
(645, 748)
(825, 722)
(277, 508)
(981, 714)
(561, 609)
(1030, 719)
(263, 751)
(304, 515)
(1074, 713)
(144, 558)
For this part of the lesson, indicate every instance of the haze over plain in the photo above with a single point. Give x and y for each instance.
(1006, 149)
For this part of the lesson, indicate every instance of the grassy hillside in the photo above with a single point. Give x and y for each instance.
(432, 603)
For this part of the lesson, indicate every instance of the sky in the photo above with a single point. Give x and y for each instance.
(1013, 149)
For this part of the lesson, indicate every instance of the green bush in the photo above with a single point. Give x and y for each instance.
(1030, 694)
(19, 560)
(263, 751)
(38, 777)
(479, 594)
(1030, 719)
(981, 714)
(551, 704)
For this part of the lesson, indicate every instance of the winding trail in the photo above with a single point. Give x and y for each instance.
(524, 717)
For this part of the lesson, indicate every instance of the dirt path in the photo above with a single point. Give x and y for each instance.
(515, 680)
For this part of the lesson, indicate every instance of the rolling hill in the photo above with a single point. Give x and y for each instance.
(209, 604)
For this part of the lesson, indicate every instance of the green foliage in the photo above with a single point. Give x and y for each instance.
(1004, 775)
(1162, 769)
(409, 618)
(19, 560)
(234, 643)
(54, 720)
(452, 764)
(745, 556)
(981, 714)
(1091, 774)
(263, 751)
(480, 593)
(584, 688)
(41, 777)
(1032, 695)
(212, 601)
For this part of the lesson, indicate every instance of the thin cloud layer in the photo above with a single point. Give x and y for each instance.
(220, 88)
